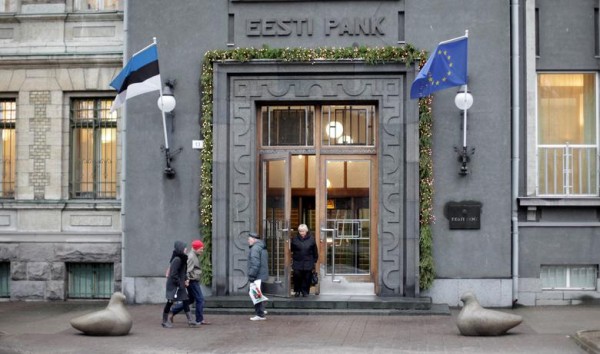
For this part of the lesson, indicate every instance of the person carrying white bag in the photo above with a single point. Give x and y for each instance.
(258, 259)
(256, 293)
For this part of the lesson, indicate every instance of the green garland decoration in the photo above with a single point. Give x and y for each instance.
(406, 54)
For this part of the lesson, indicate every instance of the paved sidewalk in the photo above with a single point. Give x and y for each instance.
(43, 327)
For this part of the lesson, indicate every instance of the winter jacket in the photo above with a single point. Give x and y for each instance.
(258, 261)
(193, 266)
(304, 252)
(177, 274)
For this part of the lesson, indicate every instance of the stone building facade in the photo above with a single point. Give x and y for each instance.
(532, 64)
(52, 53)
(532, 244)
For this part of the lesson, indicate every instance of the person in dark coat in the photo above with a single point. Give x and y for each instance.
(194, 272)
(176, 284)
(304, 256)
(258, 261)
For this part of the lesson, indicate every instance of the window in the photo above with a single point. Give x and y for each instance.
(348, 125)
(287, 125)
(93, 173)
(340, 125)
(96, 5)
(4, 279)
(90, 280)
(577, 277)
(8, 113)
(567, 146)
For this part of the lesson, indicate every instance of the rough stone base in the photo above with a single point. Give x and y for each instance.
(531, 294)
(145, 290)
(150, 290)
(39, 272)
(490, 292)
(498, 293)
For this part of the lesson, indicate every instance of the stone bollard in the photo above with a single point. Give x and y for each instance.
(474, 320)
(114, 320)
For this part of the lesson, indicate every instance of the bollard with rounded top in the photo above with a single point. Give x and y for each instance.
(114, 320)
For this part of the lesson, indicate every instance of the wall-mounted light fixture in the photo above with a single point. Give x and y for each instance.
(464, 101)
(166, 103)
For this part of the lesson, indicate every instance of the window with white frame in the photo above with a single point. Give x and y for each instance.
(8, 115)
(96, 5)
(93, 158)
(567, 139)
(576, 277)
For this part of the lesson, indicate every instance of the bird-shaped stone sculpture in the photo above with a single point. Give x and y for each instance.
(114, 320)
(474, 320)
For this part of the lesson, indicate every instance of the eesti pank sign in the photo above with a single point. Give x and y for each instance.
(345, 26)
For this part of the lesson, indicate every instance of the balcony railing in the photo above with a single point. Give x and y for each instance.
(567, 170)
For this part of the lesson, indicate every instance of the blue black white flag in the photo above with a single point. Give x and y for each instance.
(139, 76)
(446, 67)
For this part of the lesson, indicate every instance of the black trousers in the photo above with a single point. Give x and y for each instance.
(260, 307)
(302, 281)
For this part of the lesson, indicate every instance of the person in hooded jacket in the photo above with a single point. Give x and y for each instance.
(176, 284)
(258, 260)
(194, 272)
(304, 256)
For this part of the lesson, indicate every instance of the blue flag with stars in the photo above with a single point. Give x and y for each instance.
(446, 67)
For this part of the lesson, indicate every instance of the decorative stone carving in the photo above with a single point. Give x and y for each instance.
(474, 320)
(114, 320)
(236, 121)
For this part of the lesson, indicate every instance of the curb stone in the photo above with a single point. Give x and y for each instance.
(588, 340)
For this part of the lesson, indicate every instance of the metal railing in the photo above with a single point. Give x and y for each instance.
(567, 170)
(349, 233)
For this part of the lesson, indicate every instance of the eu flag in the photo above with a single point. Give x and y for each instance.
(446, 67)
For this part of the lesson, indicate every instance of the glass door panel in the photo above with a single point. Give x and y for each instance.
(275, 214)
(347, 224)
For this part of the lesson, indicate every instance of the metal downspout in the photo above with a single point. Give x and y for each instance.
(515, 95)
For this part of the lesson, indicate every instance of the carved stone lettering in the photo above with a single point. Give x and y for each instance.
(281, 27)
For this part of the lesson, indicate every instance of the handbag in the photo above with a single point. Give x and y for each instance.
(314, 279)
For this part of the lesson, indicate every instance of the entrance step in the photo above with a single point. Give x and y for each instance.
(344, 287)
(328, 305)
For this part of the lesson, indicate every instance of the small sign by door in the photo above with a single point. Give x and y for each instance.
(465, 215)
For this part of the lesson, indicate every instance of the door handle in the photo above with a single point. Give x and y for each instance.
(325, 230)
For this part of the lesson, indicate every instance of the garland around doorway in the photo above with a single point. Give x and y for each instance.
(406, 54)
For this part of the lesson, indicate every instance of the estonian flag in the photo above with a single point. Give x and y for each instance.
(139, 76)
(446, 67)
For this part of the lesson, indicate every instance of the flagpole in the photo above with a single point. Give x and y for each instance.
(162, 109)
(465, 111)
(146, 47)
(455, 39)
(465, 119)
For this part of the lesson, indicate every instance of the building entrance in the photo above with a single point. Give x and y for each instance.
(326, 185)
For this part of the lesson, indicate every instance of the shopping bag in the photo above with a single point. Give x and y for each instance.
(255, 294)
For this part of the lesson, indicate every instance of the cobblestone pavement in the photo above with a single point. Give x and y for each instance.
(41, 327)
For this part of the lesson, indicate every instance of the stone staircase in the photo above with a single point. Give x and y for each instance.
(329, 305)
